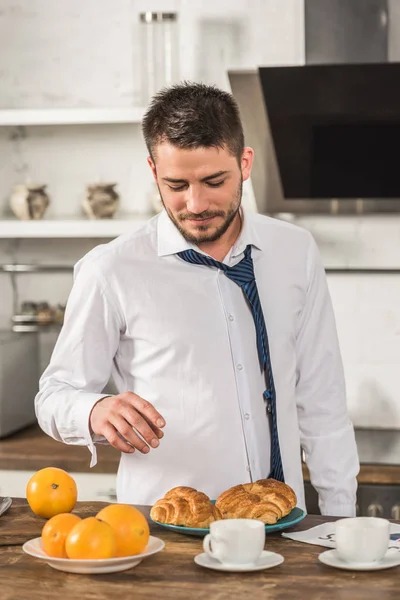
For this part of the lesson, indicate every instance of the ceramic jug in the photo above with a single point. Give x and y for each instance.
(29, 201)
(101, 201)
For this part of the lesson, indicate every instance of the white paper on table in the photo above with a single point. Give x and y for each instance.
(324, 535)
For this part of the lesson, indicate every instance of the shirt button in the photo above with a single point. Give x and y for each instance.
(239, 367)
(231, 317)
(247, 416)
(248, 469)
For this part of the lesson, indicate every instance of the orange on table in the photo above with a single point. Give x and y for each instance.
(55, 532)
(130, 525)
(51, 491)
(91, 538)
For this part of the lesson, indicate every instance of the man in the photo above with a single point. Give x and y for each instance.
(216, 325)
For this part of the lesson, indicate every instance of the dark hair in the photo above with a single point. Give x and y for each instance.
(192, 115)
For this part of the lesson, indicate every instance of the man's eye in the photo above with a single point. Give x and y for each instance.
(176, 189)
(216, 183)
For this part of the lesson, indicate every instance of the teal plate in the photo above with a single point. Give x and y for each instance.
(296, 515)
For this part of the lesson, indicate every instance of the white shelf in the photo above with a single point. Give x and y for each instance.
(70, 116)
(71, 228)
(34, 268)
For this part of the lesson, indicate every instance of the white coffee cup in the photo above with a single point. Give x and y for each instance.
(362, 539)
(235, 541)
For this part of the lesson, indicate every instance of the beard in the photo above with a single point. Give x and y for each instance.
(203, 235)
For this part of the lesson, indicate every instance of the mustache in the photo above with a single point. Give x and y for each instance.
(204, 215)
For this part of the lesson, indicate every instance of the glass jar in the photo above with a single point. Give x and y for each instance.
(159, 52)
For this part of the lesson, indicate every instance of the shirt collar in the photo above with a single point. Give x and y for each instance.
(169, 238)
(248, 235)
(171, 241)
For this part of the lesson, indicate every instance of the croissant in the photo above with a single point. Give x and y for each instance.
(185, 506)
(267, 500)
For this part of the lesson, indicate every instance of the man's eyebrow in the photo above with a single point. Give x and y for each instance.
(214, 176)
(203, 180)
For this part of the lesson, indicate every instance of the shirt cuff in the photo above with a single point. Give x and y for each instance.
(83, 408)
(337, 510)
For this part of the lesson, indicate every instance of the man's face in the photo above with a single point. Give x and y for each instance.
(201, 189)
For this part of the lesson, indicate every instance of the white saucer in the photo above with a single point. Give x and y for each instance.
(92, 567)
(331, 558)
(266, 561)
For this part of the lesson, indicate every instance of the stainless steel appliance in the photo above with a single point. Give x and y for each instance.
(324, 132)
(19, 375)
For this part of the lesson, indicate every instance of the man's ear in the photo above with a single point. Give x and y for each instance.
(152, 166)
(247, 162)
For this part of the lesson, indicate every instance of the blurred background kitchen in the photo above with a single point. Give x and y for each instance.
(319, 91)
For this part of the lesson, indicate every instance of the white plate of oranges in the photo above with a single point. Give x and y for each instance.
(116, 539)
(92, 567)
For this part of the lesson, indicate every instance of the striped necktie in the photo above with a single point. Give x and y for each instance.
(243, 275)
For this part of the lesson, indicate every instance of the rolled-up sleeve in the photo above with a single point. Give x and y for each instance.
(81, 363)
(326, 433)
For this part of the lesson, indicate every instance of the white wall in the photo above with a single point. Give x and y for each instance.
(73, 53)
(367, 309)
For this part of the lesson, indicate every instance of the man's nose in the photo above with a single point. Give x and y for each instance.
(197, 201)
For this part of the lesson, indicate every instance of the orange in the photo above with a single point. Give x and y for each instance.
(55, 532)
(51, 491)
(130, 526)
(91, 539)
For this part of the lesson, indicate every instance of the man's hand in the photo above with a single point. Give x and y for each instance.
(121, 418)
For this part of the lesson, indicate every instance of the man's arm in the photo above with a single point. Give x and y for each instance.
(326, 433)
(81, 362)
(70, 405)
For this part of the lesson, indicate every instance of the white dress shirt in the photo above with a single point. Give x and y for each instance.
(182, 336)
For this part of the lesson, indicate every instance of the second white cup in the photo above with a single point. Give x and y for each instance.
(362, 539)
(235, 541)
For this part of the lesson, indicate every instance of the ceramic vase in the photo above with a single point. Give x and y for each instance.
(101, 201)
(29, 201)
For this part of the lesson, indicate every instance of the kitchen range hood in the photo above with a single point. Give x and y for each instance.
(325, 133)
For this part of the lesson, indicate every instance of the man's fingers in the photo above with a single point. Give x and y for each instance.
(111, 435)
(146, 409)
(140, 425)
(159, 433)
(125, 428)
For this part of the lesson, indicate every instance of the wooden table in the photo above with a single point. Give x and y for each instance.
(172, 574)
